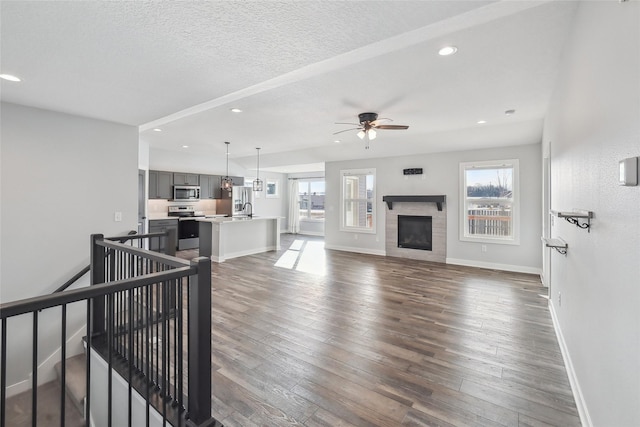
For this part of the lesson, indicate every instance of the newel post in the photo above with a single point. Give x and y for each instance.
(200, 345)
(97, 277)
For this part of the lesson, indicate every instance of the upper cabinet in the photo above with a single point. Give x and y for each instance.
(208, 186)
(181, 178)
(160, 185)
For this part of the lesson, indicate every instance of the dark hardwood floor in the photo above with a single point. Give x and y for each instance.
(312, 337)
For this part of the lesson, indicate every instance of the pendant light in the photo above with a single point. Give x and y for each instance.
(227, 182)
(257, 184)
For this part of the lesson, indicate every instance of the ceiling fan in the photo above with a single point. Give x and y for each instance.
(369, 122)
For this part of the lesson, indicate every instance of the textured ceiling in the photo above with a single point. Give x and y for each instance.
(294, 68)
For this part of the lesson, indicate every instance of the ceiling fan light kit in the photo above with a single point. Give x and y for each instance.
(369, 122)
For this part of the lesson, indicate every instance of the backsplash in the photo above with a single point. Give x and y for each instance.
(159, 208)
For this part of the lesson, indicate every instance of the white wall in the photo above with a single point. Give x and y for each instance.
(271, 206)
(441, 176)
(592, 123)
(62, 179)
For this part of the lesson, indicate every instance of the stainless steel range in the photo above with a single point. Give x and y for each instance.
(188, 227)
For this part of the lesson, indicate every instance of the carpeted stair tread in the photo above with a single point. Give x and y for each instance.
(75, 381)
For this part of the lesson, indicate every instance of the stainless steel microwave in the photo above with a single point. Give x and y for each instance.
(186, 193)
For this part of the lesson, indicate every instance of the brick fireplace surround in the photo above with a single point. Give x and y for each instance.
(416, 205)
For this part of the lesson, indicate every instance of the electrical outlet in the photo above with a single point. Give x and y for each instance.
(117, 217)
(355, 236)
(559, 299)
(484, 248)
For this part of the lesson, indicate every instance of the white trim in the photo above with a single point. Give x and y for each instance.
(311, 233)
(515, 202)
(354, 249)
(238, 254)
(374, 214)
(583, 411)
(495, 266)
(46, 369)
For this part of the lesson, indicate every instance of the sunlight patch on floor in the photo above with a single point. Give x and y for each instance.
(305, 256)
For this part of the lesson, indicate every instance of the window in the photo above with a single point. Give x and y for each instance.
(489, 202)
(311, 199)
(358, 200)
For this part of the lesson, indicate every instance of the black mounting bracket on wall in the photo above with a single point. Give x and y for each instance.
(438, 200)
(575, 217)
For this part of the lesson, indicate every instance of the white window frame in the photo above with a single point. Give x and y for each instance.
(372, 199)
(515, 200)
(308, 180)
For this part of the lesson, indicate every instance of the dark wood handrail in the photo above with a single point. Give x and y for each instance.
(29, 305)
(131, 235)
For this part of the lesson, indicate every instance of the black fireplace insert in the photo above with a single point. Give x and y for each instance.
(414, 232)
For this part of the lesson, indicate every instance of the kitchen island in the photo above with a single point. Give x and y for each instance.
(232, 237)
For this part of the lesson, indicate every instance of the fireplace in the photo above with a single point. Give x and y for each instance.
(414, 232)
(416, 227)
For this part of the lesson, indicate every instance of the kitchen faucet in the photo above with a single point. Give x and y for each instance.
(250, 214)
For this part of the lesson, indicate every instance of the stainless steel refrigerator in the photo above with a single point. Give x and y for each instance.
(240, 196)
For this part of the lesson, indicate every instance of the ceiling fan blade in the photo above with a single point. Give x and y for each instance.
(397, 127)
(346, 130)
(376, 122)
(354, 124)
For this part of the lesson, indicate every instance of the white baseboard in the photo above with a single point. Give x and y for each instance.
(46, 369)
(238, 254)
(585, 418)
(311, 233)
(354, 249)
(494, 266)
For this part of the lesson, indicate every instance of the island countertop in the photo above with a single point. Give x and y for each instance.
(223, 238)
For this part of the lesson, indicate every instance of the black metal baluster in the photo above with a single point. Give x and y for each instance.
(87, 405)
(110, 322)
(3, 373)
(189, 320)
(34, 367)
(165, 347)
(159, 317)
(130, 355)
(149, 313)
(63, 365)
(180, 361)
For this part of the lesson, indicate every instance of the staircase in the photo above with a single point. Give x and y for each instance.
(75, 380)
(19, 407)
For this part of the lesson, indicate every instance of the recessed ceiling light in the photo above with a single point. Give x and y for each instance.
(337, 141)
(236, 110)
(157, 130)
(447, 50)
(481, 122)
(10, 78)
(185, 146)
(510, 112)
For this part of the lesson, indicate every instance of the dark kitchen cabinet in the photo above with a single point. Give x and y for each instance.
(181, 178)
(208, 186)
(221, 194)
(160, 185)
(160, 226)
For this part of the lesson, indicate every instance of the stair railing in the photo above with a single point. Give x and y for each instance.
(139, 308)
(166, 241)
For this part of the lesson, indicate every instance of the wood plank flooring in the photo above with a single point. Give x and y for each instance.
(312, 337)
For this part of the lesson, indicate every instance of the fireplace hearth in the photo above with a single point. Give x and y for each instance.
(414, 232)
